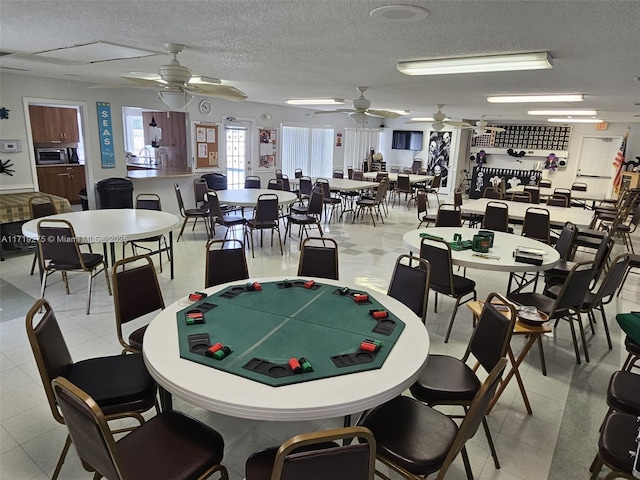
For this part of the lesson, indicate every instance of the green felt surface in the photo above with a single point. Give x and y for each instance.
(276, 324)
(630, 324)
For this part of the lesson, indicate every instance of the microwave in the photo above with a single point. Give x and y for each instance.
(51, 156)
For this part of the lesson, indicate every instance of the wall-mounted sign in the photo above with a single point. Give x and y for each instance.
(107, 155)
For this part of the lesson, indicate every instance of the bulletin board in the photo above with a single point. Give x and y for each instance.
(267, 148)
(207, 142)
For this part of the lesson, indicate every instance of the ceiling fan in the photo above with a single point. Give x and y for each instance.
(481, 127)
(177, 84)
(361, 110)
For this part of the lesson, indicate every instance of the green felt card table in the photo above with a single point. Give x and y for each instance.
(264, 329)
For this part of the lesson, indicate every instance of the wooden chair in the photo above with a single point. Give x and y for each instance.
(59, 251)
(120, 384)
(170, 445)
(410, 284)
(225, 261)
(319, 260)
(136, 293)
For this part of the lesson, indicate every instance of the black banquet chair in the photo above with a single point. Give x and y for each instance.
(225, 262)
(410, 284)
(119, 384)
(190, 213)
(496, 217)
(150, 201)
(319, 258)
(169, 446)
(40, 206)
(266, 217)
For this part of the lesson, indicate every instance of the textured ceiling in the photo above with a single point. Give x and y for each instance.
(277, 49)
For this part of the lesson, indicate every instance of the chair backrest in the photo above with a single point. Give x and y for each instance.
(278, 173)
(381, 175)
(381, 190)
(297, 173)
(612, 279)
(286, 185)
(564, 244)
(394, 170)
(563, 191)
(305, 185)
(558, 200)
(435, 183)
(491, 336)
(252, 182)
(416, 165)
(544, 183)
(319, 260)
(88, 429)
(579, 186)
(349, 173)
(338, 173)
(421, 202)
(176, 187)
(57, 243)
(449, 215)
(534, 191)
(457, 197)
(523, 197)
(42, 206)
(275, 184)
(537, 224)
(148, 201)
(316, 202)
(574, 288)
(200, 189)
(349, 461)
(474, 416)
(267, 209)
(491, 192)
(496, 217)
(635, 219)
(407, 170)
(136, 291)
(225, 261)
(215, 210)
(602, 255)
(358, 175)
(49, 348)
(410, 284)
(403, 183)
(324, 183)
(438, 254)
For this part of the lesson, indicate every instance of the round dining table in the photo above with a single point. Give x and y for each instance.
(499, 258)
(248, 197)
(229, 394)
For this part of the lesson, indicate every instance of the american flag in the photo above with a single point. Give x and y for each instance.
(619, 160)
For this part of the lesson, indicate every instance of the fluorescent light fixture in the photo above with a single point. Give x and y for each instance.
(536, 98)
(488, 63)
(314, 101)
(562, 112)
(575, 120)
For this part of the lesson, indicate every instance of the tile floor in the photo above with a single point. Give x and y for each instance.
(557, 442)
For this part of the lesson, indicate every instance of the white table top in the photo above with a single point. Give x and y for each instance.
(343, 184)
(577, 194)
(248, 197)
(503, 246)
(229, 394)
(111, 225)
(393, 177)
(517, 211)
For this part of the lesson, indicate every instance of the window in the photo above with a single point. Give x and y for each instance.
(308, 148)
(358, 143)
(134, 132)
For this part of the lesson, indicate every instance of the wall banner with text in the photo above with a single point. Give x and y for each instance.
(107, 155)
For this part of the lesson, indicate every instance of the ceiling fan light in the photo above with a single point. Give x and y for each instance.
(536, 98)
(314, 101)
(175, 99)
(487, 63)
(359, 117)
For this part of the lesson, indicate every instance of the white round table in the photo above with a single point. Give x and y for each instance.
(503, 246)
(110, 226)
(248, 197)
(229, 394)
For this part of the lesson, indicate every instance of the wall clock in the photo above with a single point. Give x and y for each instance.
(205, 107)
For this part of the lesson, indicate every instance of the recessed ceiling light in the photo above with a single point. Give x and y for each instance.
(575, 120)
(562, 112)
(535, 98)
(399, 13)
(485, 63)
(314, 101)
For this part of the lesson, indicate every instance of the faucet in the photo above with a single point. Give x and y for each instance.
(147, 157)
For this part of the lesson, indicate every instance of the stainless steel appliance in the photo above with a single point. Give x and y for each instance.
(51, 156)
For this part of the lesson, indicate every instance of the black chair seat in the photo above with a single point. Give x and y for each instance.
(253, 223)
(299, 209)
(260, 464)
(631, 346)
(445, 378)
(364, 202)
(196, 211)
(302, 219)
(136, 337)
(189, 451)
(399, 428)
(617, 439)
(114, 380)
(622, 394)
(90, 260)
(462, 285)
(232, 220)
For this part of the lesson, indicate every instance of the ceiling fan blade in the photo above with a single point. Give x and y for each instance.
(145, 82)
(339, 110)
(383, 113)
(458, 124)
(219, 91)
(495, 129)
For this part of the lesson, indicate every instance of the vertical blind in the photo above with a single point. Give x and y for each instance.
(308, 148)
(358, 143)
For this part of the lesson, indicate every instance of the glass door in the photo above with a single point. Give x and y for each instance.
(237, 151)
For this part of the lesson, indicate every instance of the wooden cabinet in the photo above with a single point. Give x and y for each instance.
(630, 180)
(174, 129)
(62, 180)
(54, 124)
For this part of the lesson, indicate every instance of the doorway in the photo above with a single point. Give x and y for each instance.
(595, 167)
(238, 149)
